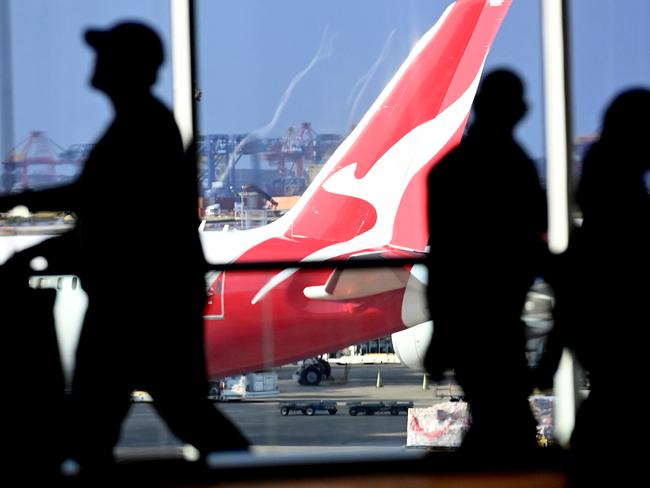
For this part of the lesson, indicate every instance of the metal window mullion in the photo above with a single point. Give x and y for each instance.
(6, 83)
(182, 67)
(555, 32)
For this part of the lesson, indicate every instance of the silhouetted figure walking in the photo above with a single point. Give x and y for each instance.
(141, 264)
(602, 295)
(33, 411)
(487, 218)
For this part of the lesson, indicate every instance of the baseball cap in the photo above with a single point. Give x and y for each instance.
(133, 42)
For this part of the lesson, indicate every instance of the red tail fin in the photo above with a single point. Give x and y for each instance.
(372, 190)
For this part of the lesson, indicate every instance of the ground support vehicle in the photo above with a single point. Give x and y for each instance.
(371, 408)
(249, 385)
(312, 371)
(308, 407)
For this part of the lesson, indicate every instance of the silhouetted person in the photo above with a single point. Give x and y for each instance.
(34, 406)
(602, 296)
(487, 219)
(141, 261)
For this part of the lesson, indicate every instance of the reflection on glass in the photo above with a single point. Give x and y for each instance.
(260, 319)
(282, 89)
(305, 74)
(50, 116)
(609, 54)
(360, 180)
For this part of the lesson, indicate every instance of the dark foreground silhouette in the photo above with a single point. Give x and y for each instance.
(138, 254)
(602, 291)
(487, 219)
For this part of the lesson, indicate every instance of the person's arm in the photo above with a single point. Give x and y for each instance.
(58, 198)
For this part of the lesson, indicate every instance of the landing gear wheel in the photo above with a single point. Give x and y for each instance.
(311, 376)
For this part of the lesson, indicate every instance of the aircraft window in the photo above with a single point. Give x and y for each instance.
(211, 282)
(217, 287)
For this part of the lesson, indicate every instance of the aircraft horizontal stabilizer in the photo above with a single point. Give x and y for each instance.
(358, 283)
(346, 284)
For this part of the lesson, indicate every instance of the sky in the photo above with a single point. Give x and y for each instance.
(250, 50)
(273, 41)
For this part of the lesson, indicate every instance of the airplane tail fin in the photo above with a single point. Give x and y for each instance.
(372, 191)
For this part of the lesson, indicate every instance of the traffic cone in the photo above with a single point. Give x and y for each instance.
(380, 382)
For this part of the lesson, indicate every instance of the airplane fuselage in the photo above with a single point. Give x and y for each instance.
(285, 325)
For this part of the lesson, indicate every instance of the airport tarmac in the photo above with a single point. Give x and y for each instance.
(144, 435)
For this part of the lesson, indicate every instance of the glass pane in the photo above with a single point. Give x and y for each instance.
(609, 53)
(283, 85)
(51, 116)
(604, 292)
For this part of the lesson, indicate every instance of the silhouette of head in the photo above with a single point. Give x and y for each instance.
(499, 103)
(626, 121)
(128, 57)
(612, 175)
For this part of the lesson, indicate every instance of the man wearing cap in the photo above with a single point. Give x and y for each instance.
(487, 221)
(144, 273)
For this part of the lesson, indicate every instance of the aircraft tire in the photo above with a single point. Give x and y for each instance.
(311, 376)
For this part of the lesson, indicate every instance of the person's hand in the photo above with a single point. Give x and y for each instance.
(18, 211)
